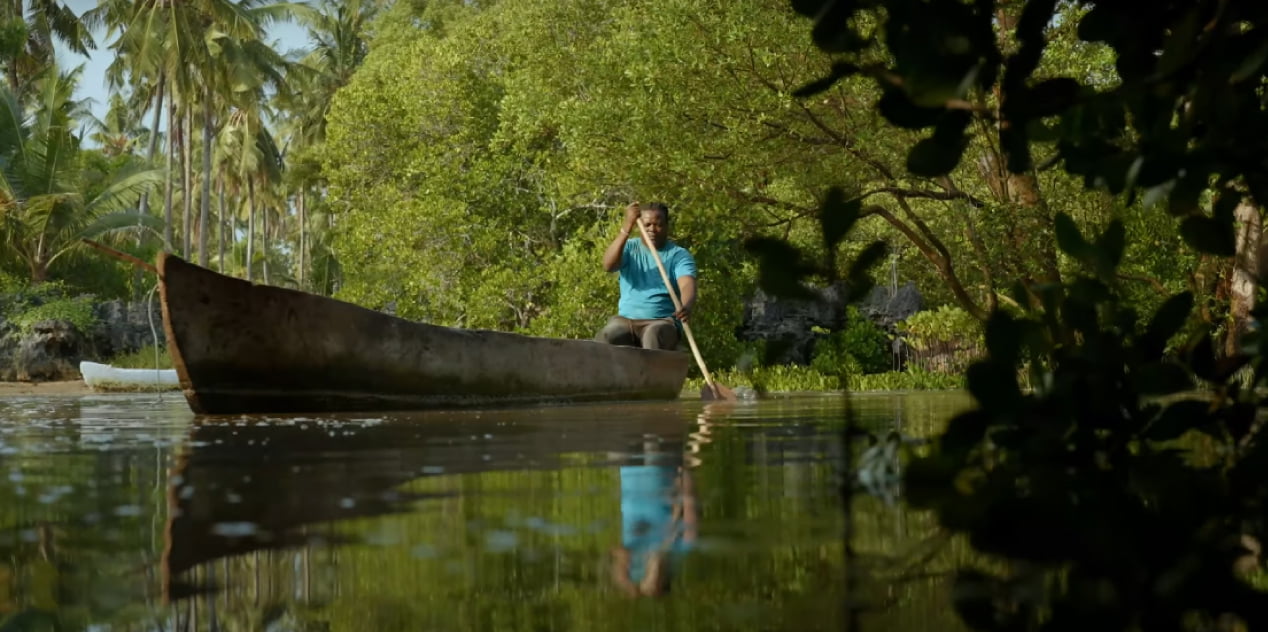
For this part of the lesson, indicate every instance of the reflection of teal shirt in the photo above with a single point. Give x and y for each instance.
(643, 293)
(647, 507)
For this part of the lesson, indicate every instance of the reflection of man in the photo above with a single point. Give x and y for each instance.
(659, 518)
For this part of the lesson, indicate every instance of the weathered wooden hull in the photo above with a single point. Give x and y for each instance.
(241, 348)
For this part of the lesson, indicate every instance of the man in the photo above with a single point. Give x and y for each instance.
(646, 315)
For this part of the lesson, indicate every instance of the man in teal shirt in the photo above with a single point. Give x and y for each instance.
(646, 315)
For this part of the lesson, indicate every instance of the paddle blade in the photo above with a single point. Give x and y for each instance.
(717, 392)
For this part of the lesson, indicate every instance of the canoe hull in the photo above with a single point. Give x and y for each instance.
(240, 348)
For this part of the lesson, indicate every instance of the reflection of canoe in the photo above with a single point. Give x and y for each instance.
(103, 377)
(243, 487)
(244, 348)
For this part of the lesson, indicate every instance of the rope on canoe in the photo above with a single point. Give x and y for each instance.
(149, 316)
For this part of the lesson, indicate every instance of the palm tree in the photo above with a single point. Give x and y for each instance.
(43, 210)
(338, 33)
(202, 55)
(118, 133)
(31, 28)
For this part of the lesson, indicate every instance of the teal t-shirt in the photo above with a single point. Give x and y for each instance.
(643, 292)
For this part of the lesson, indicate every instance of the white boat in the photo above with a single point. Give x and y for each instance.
(103, 377)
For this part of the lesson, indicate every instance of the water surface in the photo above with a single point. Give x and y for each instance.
(128, 513)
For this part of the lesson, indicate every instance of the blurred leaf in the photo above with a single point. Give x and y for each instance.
(1161, 378)
(973, 594)
(867, 260)
(1177, 419)
(900, 110)
(932, 157)
(1209, 235)
(839, 71)
(1069, 239)
(1201, 357)
(1003, 338)
(964, 432)
(781, 271)
(837, 216)
(1051, 96)
(1110, 247)
(1170, 317)
(994, 385)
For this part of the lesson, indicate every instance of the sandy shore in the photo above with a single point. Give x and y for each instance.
(70, 387)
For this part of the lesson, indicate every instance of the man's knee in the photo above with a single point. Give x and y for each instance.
(660, 335)
(617, 332)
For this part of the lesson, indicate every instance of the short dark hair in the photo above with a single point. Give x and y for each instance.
(657, 206)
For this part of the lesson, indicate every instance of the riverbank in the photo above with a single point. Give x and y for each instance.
(41, 389)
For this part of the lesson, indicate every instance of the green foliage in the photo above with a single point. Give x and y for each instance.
(861, 347)
(1030, 475)
(913, 379)
(943, 325)
(24, 306)
(1125, 136)
(799, 379)
(148, 357)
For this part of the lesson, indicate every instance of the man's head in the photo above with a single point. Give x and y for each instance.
(655, 217)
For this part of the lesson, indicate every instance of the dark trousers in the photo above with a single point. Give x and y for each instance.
(651, 333)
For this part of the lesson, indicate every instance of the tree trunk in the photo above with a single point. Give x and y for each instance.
(143, 208)
(264, 244)
(205, 212)
(250, 228)
(167, 180)
(1245, 274)
(223, 234)
(303, 239)
(187, 181)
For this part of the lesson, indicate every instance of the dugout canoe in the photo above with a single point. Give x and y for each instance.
(243, 348)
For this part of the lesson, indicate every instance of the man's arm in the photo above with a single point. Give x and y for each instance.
(687, 289)
(612, 256)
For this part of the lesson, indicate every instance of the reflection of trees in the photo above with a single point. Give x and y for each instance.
(78, 539)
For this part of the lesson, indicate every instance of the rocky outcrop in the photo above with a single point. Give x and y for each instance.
(887, 305)
(49, 351)
(52, 349)
(786, 325)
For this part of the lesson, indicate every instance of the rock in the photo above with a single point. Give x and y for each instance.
(53, 349)
(887, 305)
(49, 352)
(124, 327)
(785, 324)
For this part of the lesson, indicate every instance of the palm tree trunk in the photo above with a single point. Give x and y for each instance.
(167, 181)
(250, 228)
(187, 177)
(222, 234)
(204, 216)
(303, 239)
(143, 208)
(264, 243)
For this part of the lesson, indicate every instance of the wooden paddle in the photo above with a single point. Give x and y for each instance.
(712, 390)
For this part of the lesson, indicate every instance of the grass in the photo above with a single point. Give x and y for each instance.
(791, 379)
(143, 358)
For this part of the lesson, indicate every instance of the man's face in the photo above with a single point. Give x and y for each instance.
(657, 227)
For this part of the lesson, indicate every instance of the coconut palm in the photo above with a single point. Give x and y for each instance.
(30, 28)
(44, 211)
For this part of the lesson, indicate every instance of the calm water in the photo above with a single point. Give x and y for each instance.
(127, 513)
